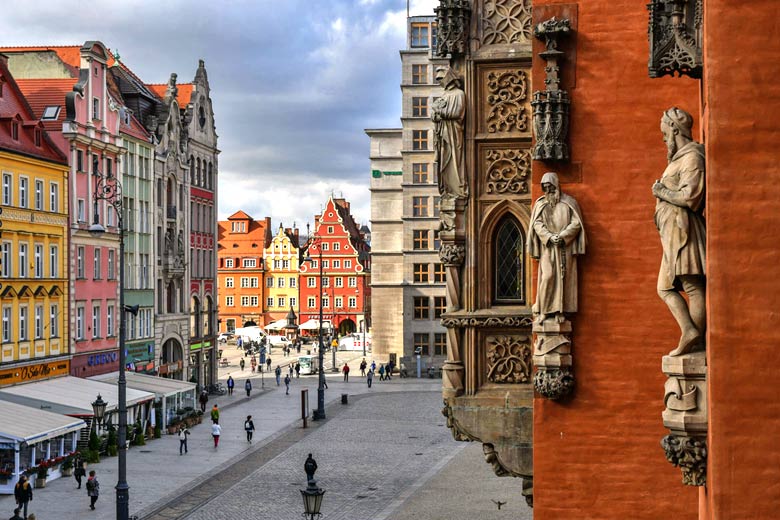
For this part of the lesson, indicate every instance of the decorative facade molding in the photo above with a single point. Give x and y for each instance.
(508, 359)
(458, 433)
(452, 254)
(506, 101)
(491, 457)
(675, 36)
(452, 21)
(554, 383)
(488, 321)
(690, 454)
(506, 22)
(507, 171)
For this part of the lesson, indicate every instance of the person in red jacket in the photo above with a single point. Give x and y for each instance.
(346, 372)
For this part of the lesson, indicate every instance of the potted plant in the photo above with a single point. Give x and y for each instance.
(66, 469)
(41, 472)
(5, 474)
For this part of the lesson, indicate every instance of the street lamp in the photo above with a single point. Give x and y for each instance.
(319, 413)
(109, 189)
(99, 409)
(312, 495)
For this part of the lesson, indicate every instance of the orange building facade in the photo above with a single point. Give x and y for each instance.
(241, 270)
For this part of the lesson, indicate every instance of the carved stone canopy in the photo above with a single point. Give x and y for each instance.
(452, 20)
(676, 36)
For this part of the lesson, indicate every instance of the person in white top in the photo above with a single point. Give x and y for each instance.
(183, 433)
(216, 430)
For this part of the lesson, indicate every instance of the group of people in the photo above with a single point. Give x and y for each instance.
(385, 371)
(23, 490)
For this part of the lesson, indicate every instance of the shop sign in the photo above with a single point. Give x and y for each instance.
(34, 372)
(102, 359)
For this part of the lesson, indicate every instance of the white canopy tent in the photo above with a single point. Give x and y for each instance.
(314, 324)
(277, 325)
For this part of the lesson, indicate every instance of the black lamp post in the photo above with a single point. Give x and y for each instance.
(312, 495)
(109, 189)
(99, 409)
(319, 413)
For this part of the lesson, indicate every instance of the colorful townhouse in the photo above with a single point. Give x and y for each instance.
(281, 276)
(241, 270)
(34, 243)
(346, 268)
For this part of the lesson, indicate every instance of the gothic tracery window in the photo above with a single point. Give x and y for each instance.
(508, 262)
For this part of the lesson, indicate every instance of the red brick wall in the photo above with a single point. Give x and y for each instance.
(598, 455)
(743, 257)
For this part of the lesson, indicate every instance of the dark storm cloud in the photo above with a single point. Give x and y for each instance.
(294, 83)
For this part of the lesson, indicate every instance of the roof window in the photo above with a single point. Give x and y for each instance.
(50, 113)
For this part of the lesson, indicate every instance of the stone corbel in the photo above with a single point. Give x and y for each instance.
(551, 105)
(675, 37)
(554, 378)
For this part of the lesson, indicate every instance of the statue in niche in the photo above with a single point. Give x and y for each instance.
(555, 237)
(169, 241)
(181, 243)
(447, 114)
(679, 217)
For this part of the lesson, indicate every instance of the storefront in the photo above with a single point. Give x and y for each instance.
(140, 357)
(31, 437)
(33, 371)
(170, 395)
(93, 363)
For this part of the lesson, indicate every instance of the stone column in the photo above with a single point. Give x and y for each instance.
(452, 255)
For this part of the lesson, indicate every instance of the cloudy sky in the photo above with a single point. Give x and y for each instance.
(294, 83)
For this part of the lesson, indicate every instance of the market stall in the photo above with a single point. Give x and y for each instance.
(31, 438)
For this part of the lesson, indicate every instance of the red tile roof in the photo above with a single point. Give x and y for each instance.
(41, 93)
(183, 96)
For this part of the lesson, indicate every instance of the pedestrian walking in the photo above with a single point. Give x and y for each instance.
(249, 428)
(381, 372)
(268, 363)
(363, 366)
(297, 370)
(216, 431)
(16, 515)
(370, 378)
(248, 387)
(278, 373)
(389, 370)
(183, 434)
(215, 414)
(240, 342)
(242, 364)
(253, 363)
(292, 369)
(287, 384)
(23, 494)
(345, 369)
(230, 384)
(373, 365)
(203, 399)
(93, 489)
(78, 469)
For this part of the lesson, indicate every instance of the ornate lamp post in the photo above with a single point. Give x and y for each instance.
(312, 495)
(99, 409)
(319, 413)
(109, 189)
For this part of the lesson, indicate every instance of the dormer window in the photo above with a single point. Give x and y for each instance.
(38, 137)
(50, 113)
(95, 108)
(15, 130)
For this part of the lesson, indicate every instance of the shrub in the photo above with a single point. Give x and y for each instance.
(92, 456)
(94, 441)
(112, 446)
(157, 432)
(140, 439)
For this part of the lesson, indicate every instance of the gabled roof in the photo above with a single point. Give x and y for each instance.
(183, 95)
(239, 215)
(41, 93)
(69, 54)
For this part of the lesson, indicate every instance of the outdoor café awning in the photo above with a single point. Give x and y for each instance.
(314, 325)
(277, 325)
(31, 425)
(160, 386)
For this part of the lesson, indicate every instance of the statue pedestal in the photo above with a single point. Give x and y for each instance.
(685, 397)
(554, 378)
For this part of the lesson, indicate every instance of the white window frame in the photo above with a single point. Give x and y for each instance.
(7, 335)
(269, 301)
(228, 301)
(352, 282)
(293, 301)
(293, 282)
(96, 320)
(38, 260)
(228, 262)
(269, 282)
(23, 325)
(38, 322)
(249, 262)
(23, 267)
(229, 282)
(280, 283)
(24, 191)
(312, 302)
(109, 321)
(352, 301)
(39, 194)
(339, 301)
(80, 316)
(8, 186)
(54, 197)
(54, 312)
(311, 281)
(339, 281)
(54, 261)
(7, 262)
(280, 302)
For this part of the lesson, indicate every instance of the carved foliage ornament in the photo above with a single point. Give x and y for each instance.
(506, 21)
(452, 254)
(554, 383)
(675, 35)
(452, 21)
(507, 171)
(690, 454)
(508, 359)
(458, 433)
(488, 321)
(507, 94)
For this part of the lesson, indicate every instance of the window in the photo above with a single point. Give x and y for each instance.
(229, 282)
(95, 320)
(439, 306)
(38, 255)
(336, 246)
(352, 302)
(249, 262)
(95, 108)
(311, 301)
(311, 281)
(433, 35)
(39, 195)
(325, 246)
(421, 273)
(15, 130)
(436, 206)
(80, 262)
(229, 301)
(38, 325)
(50, 113)
(54, 197)
(420, 173)
(420, 239)
(280, 301)
(23, 323)
(439, 274)
(325, 301)
(54, 330)
(339, 301)
(79, 160)
(436, 240)
(254, 282)
(419, 206)
(347, 264)
(419, 35)
(285, 264)
(111, 264)
(508, 261)
(254, 301)
(23, 192)
(80, 211)
(229, 262)
(7, 180)
(325, 281)
(244, 282)
(280, 282)
(352, 281)
(325, 265)
(277, 264)
(269, 282)
(6, 324)
(336, 264)
(54, 261)
(339, 281)
(330, 230)
(421, 343)
(419, 107)
(96, 264)
(419, 139)
(5, 263)
(293, 302)
(130, 327)
(421, 308)
(269, 302)
(419, 74)
(110, 320)
(440, 344)
(293, 282)
(22, 260)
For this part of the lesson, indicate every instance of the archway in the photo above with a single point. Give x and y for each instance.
(171, 359)
(250, 324)
(347, 327)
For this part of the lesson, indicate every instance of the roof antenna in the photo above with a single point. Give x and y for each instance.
(407, 8)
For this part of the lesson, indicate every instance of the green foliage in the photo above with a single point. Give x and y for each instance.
(140, 439)
(157, 432)
(112, 446)
(94, 441)
(92, 456)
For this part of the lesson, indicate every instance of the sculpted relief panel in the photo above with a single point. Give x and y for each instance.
(506, 22)
(507, 171)
(507, 109)
(508, 359)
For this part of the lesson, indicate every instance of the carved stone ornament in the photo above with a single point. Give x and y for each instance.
(690, 454)
(676, 36)
(491, 457)
(452, 21)
(554, 383)
(452, 254)
(551, 106)
(458, 433)
(488, 321)
(508, 359)
(506, 22)
(507, 171)
(507, 92)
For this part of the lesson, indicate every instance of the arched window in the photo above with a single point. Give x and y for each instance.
(195, 318)
(508, 265)
(208, 319)
(196, 182)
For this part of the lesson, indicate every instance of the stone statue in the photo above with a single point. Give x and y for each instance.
(448, 113)
(181, 243)
(555, 238)
(169, 240)
(679, 217)
(310, 466)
